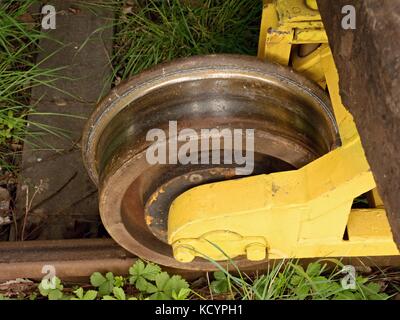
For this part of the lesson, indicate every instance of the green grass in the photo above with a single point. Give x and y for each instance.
(288, 280)
(19, 44)
(164, 30)
(148, 32)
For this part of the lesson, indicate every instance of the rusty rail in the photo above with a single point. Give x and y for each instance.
(78, 259)
(71, 258)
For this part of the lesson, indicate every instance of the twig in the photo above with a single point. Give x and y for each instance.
(28, 205)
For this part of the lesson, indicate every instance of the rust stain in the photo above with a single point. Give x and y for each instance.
(149, 219)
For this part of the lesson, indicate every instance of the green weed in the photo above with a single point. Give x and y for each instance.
(284, 280)
(163, 30)
(19, 45)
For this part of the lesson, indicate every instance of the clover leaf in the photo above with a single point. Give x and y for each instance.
(105, 284)
(141, 273)
(51, 288)
(81, 295)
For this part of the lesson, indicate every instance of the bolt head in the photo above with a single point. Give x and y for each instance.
(256, 252)
(183, 254)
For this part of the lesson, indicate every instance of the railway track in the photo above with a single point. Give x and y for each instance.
(71, 200)
(76, 260)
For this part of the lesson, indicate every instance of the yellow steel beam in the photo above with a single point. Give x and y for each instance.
(375, 199)
(278, 40)
(288, 22)
(311, 65)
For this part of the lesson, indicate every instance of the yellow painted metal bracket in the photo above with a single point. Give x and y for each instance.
(300, 213)
(289, 22)
(293, 214)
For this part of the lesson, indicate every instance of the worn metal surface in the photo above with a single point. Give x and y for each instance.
(291, 117)
(71, 258)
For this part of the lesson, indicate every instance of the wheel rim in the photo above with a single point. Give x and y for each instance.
(291, 117)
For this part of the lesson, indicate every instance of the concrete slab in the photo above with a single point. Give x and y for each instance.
(56, 198)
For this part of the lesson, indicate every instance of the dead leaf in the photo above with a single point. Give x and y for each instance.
(26, 17)
(74, 10)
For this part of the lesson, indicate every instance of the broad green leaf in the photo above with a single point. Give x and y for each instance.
(358, 296)
(161, 280)
(345, 295)
(55, 294)
(151, 288)
(298, 269)
(302, 291)
(220, 286)
(148, 271)
(151, 271)
(136, 271)
(373, 288)
(321, 282)
(97, 279)
(175, 284)
(295, 280)
(159, 296)
(110, 276)
(181, 295)
(119, 281)
(378, 296)
(119, 293)
(48, 285)
(361, 280)
(79, 292)
(42, 289)
(106, 287)
(32, 296)
(314, 269)
(141, 284)
(219, 275)
(58, 283)
(141, 274)
(90, 295)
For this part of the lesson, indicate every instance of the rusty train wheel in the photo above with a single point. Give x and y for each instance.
(291, 116)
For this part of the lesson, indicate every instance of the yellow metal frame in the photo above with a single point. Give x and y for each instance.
(299, 213)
